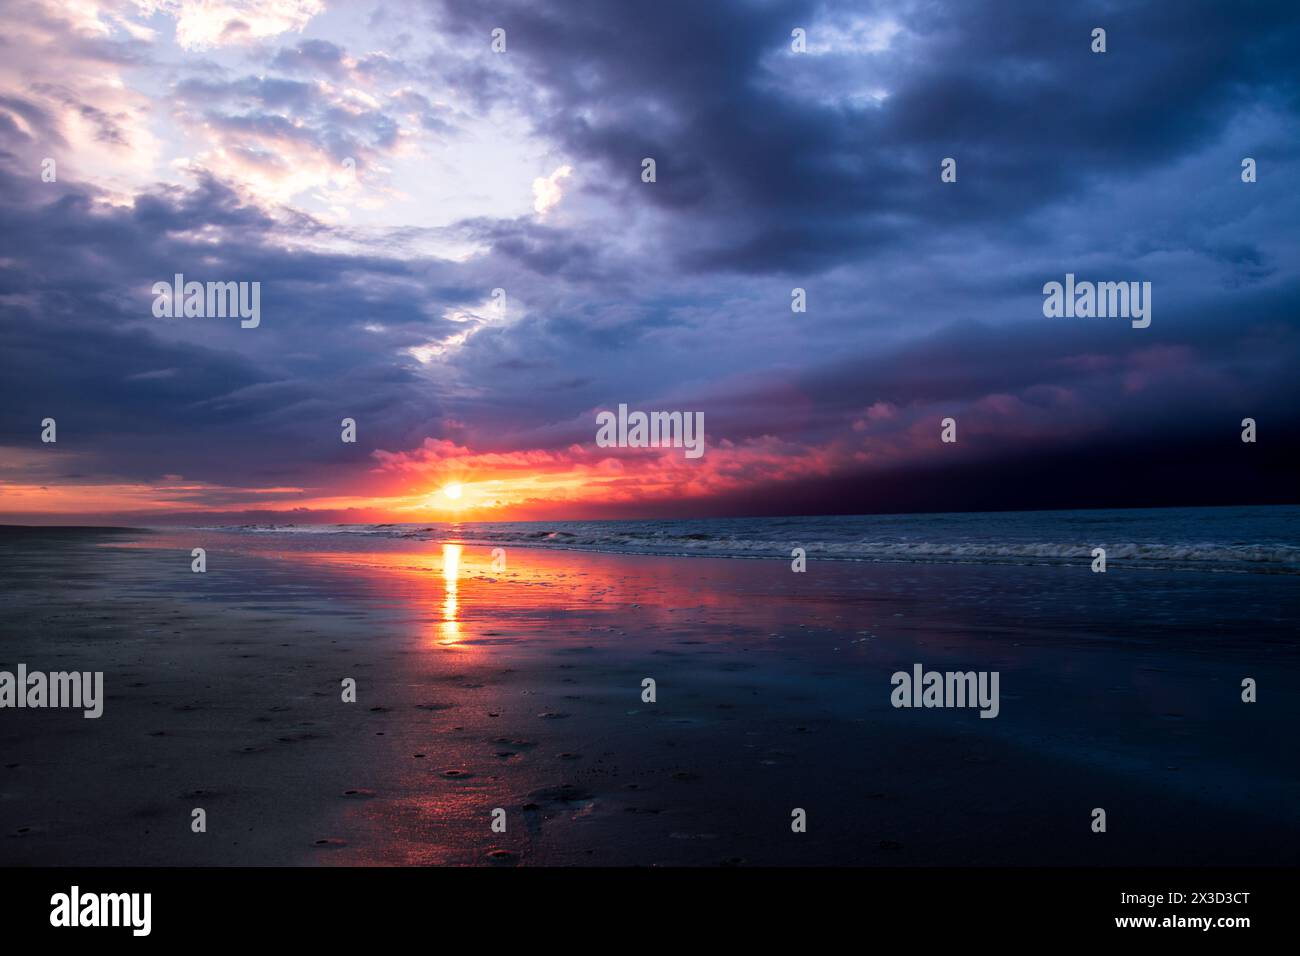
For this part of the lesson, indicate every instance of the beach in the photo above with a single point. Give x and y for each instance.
(520, 687)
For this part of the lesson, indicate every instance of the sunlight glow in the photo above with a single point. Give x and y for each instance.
(450, 627)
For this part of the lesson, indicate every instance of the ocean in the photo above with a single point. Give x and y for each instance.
(1164, 692)
(1259, 540)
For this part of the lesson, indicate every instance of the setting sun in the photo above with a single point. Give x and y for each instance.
(452, 491)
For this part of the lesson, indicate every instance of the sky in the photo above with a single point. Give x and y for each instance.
(379, 169)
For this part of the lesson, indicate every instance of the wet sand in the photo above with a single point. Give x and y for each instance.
(521, 689)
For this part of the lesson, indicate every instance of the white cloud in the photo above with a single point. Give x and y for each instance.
(201, 24)
(547, 192)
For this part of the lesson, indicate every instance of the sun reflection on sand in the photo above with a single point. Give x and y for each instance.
(450, 626)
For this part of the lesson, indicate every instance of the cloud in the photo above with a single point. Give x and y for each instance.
(201, 24)
(521, 172)
(774, 171)
(547, 192)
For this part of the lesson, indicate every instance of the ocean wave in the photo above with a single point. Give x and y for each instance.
(923, 538)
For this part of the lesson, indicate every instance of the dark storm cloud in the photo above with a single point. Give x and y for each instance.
(804, 182)
(543, 249)
(81, 345)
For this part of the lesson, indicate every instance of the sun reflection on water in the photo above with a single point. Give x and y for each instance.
(450, 626)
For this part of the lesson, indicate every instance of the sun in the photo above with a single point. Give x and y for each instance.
(453, 490)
